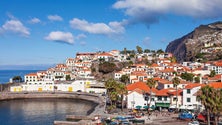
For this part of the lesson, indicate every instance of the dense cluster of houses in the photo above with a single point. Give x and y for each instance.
(76, 75)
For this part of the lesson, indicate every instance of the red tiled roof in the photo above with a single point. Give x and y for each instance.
(193, 85)
(140, 85)
(31, 74)
(216, 85)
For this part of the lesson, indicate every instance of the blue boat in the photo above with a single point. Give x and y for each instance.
(185, 116)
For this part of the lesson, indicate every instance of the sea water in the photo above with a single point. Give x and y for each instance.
(40, 111)
(6, 75)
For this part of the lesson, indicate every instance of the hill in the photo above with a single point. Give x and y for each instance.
(204, 43)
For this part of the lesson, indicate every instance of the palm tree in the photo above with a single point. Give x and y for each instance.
(217, 105)
(151, 83)
(206, 96)
(121, 89)
(176, 82)
(110, 86)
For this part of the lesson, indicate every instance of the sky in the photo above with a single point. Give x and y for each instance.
(34, 32)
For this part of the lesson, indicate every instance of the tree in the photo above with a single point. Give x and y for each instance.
(124, 79)
(110, 86)
(17, 79)
(197, 79)
(176, 82)
(187, 76)
(205, 95)
(68, 78)
(125, 51)
(218, 105)
(121, 90)
(114, 90)
(139, 49)
(212, 73)
(159, 51)
(151, 83)
(146, 50)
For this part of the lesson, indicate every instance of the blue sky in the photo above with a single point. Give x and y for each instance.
(49, 32)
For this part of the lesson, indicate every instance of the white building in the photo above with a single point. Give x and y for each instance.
(189, 95)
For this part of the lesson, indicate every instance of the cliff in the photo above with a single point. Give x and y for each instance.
(204, 43)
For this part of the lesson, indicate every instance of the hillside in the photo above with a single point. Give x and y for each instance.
(202, 44)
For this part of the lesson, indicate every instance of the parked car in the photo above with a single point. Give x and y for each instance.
(194, 122)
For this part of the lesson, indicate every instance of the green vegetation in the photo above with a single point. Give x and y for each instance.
(151, 83)
(197, 79)
(17, 79)
(115, 92)
(176, 82)
(212, 100)
(125, 79)
(139, 49)
(107, 67)
(212, 73)
(187, 76)
(68, 78)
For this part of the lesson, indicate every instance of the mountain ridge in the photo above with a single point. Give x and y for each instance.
(204, 41)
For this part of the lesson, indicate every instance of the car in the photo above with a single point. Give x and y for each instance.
(194, 122)
(79, 91)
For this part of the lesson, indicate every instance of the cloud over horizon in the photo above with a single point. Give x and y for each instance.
(34, 20)
(150, 11)
(15, 26)
(55, 18)
(97, 28)
(58, 36)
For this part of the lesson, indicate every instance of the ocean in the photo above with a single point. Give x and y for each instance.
(5, 75)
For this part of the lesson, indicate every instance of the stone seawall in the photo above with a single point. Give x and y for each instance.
(95, 98)
(97, 107)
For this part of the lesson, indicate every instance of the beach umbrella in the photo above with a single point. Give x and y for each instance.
(145, 107)
(152, 107)
(138, 107)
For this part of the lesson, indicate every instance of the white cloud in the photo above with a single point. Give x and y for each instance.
(97, 28)
(34, 20)
(55, 18)
(15, 26)
(80, 36)
(146, 41)
(59, 36)
(82, 43)
(151, 10)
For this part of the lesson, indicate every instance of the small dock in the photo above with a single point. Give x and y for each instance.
(78, 117)
(76, 120)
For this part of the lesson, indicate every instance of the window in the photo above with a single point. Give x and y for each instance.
(188, 91)
(175, 99)
(159, 98)
(165, 98)
(168, 86)
(188, 100)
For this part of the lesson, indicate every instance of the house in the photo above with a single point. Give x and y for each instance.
(31, 77)
(139, 94)
(105, 56)
(190, 97)
(162, 99)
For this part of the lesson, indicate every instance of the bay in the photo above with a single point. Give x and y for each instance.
(41, 111)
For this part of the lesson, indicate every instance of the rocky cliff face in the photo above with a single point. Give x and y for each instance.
(203, 44)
